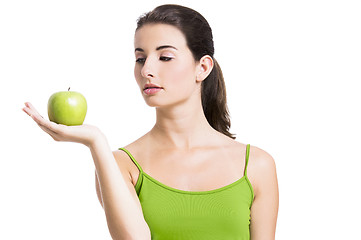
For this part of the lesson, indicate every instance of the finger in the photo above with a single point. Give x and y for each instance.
(56, 131)
(43, 123)
(33, 109)
(30, 110)
(27, 111)
(30, 113)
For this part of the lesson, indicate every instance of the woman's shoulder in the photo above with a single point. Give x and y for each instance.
(124, 158)
(258, 158)
(261, 167)
(261, 157)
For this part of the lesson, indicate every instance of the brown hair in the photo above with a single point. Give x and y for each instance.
(199, 39)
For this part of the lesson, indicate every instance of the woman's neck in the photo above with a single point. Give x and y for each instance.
(182, 127)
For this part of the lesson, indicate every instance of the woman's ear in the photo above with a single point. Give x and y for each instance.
(205, 67)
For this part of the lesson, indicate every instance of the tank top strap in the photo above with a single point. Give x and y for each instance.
(133, 159)
(247, 156)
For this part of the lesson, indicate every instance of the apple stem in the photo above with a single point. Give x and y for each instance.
(68, 88)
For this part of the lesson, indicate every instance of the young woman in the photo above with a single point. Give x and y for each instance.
(187, 178)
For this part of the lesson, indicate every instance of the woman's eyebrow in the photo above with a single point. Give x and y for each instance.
(157, 49)
(165, 46)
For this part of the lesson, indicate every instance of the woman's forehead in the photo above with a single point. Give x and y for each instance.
(155, 35)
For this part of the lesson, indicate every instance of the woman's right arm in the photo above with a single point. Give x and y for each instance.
(121, 205)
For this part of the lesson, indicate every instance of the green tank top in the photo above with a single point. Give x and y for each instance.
(174, 214)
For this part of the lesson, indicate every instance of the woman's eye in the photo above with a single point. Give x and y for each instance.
(140, 60)
(165, 58)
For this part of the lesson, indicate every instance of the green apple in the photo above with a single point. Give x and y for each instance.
(67, 108)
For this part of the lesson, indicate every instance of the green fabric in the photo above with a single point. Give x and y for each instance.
(174, 214)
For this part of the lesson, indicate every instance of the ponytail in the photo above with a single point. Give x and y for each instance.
(214, 101)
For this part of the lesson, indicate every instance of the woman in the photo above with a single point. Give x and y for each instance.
(187, 178)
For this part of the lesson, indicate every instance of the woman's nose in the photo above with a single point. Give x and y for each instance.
(147, 69)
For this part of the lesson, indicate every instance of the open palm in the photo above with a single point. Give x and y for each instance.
(85, 134)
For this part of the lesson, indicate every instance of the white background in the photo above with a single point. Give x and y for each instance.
(292, 72)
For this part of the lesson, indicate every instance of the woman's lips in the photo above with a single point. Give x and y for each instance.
(150, 91)
(151, 85)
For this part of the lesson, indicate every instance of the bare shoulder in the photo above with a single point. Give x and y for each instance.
(261, 168)
(135, 149)
(260, 158)
(121, 157)
(125, 161)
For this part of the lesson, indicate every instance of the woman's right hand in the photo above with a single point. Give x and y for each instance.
(85, 134)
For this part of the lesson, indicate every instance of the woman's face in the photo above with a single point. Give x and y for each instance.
(164, 59)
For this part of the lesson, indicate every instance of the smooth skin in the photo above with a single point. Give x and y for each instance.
(181, 141)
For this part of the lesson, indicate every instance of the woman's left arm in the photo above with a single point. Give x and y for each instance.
(264, 210)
